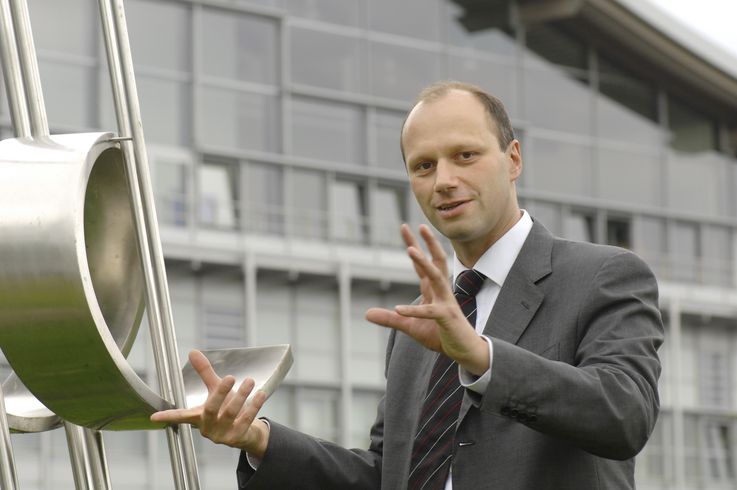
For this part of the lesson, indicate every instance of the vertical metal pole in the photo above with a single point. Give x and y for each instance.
(181, 445)
(29, 68)
(12, 73)
(19, 117)
(87, 456)
(8, 478)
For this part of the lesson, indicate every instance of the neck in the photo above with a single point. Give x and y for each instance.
(469, 252)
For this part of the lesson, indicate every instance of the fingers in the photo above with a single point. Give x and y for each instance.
(204, 369)
(388, 318)
(214, 402)
(234, 406)
(178, 416)
(439, 257)
(437, 281)
(411, 242)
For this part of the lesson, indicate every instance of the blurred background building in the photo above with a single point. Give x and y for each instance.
(273, 132)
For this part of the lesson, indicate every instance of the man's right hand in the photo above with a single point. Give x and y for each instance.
(225, 417)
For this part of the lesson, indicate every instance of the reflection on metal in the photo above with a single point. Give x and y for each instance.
(87, 456)
(8, 478)
(266, 365)
(79, 246)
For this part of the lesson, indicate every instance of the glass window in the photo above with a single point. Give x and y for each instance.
(692, 449)
(690, 175)
(649, 240)
(684, 251)
(173, 193)
(236, 119)
(558, 166)
(317, 329)
(159, 34)
(218, 201)
(629, 176)
(413, 18)
(719, 441)
(556, 91)
(363, 414)
(66, 90)
(348, 215)
(618, 232)
(309, 205)
(579, 226)
(549, 215)
(340, 64)
(76, 34)
(275, 315)
(343, 12)
(222, 309)
(399, 72)
(627, 111)
(264, 198)
(716, 246)
(239, 47)
(166, 110)
(368, 341)
(318, 413)
(692, 131)
(328, 131)
(387, 129)
(387, 215)
(497, 77)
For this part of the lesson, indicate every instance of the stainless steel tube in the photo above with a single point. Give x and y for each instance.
(87, 456)
(181, 446)
(12, 73)
(29, 68)
(8, 477)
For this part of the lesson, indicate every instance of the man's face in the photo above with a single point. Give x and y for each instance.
(463, 181)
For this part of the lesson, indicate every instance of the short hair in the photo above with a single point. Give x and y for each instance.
(493, 106)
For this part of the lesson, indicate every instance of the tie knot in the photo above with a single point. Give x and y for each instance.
(469, 282)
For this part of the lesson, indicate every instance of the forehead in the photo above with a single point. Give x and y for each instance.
(456, 113)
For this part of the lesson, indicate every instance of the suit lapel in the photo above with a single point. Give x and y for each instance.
(520, 296)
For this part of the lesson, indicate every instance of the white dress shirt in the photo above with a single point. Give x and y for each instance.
(495, 264)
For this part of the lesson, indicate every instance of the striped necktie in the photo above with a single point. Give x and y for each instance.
(433, 445)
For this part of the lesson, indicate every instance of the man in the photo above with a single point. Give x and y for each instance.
(547, 377)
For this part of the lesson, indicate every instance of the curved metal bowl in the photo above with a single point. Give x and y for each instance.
(71, 284)
(267, 366)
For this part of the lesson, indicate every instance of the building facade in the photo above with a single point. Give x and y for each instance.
(273, 134)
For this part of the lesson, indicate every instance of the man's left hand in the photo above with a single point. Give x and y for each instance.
(437, 322)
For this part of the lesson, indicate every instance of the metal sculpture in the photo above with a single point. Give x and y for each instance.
(80, 256)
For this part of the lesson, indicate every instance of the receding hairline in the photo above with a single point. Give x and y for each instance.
(497, 116)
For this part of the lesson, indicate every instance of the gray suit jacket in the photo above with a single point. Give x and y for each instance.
(572, 397)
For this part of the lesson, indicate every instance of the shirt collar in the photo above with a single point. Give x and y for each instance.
(498, 259)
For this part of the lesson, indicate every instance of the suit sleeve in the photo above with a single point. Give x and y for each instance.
(294, 460)
(606, 402)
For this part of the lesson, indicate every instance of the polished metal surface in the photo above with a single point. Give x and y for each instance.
(12, 73)
(267, 366)
(87, 456)
(161, 324)
(70, 279)
(8, 475)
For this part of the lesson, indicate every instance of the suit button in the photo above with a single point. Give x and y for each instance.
(532, 418)
(523, 417)
(514, 413)
(505, 411)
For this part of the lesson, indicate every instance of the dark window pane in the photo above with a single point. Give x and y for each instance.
(691, 130)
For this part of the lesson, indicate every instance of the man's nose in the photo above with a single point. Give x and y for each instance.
(445, 176)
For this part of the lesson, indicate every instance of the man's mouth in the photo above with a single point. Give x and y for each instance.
(450, 209)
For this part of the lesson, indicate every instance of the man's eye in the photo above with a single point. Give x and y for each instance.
(424, 166)
(467, 155)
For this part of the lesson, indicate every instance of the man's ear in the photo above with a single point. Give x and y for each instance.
(514, 154)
